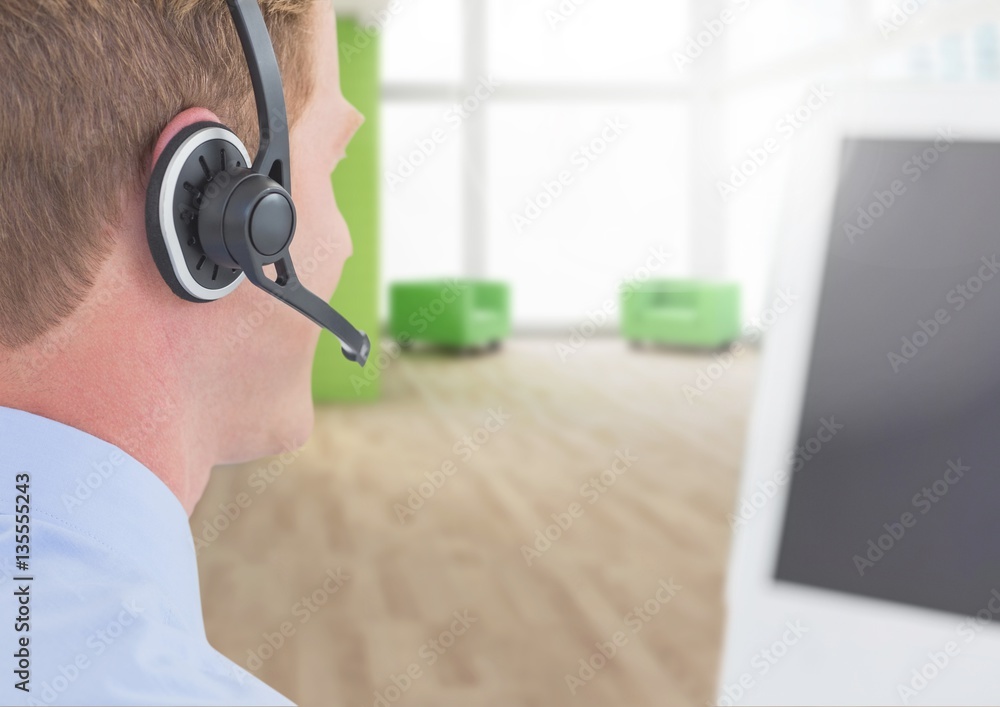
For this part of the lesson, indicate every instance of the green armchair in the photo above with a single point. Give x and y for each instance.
(461, 314)
(685, 313)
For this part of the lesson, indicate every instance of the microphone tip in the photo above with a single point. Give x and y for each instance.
(361, 355)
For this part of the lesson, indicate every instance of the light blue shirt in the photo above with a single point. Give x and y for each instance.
(110, 603)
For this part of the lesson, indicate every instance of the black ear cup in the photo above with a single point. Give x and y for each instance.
(198, 163)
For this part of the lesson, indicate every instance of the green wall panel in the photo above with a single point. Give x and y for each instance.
(357, 185)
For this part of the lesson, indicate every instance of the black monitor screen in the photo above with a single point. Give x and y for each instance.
(895, 492)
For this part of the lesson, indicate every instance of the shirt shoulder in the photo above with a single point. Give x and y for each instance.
(102, 632)
(98, 565)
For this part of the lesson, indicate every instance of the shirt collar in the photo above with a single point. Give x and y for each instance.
(91, 487)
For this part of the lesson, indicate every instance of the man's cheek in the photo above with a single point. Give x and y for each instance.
(318, 256)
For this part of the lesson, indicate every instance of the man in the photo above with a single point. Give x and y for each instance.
(116, 396)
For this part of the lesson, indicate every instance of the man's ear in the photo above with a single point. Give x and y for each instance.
(182, 120)
(172, 243)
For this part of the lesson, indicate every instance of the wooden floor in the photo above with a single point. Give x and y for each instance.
(386, 625)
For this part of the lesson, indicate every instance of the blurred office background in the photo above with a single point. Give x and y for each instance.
(561, 216)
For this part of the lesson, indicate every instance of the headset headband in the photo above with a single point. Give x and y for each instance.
(273, 156)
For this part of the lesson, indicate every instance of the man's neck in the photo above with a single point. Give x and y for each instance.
(82, 376)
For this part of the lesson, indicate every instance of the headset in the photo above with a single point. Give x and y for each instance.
(214, 219)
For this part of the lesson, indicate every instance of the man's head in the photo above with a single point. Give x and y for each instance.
(93, 90)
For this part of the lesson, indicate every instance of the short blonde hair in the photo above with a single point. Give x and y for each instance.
(87, 88)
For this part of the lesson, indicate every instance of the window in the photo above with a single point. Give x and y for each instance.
(556, 145)
(542, 143)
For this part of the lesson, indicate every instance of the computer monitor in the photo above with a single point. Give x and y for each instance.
(866, 557)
